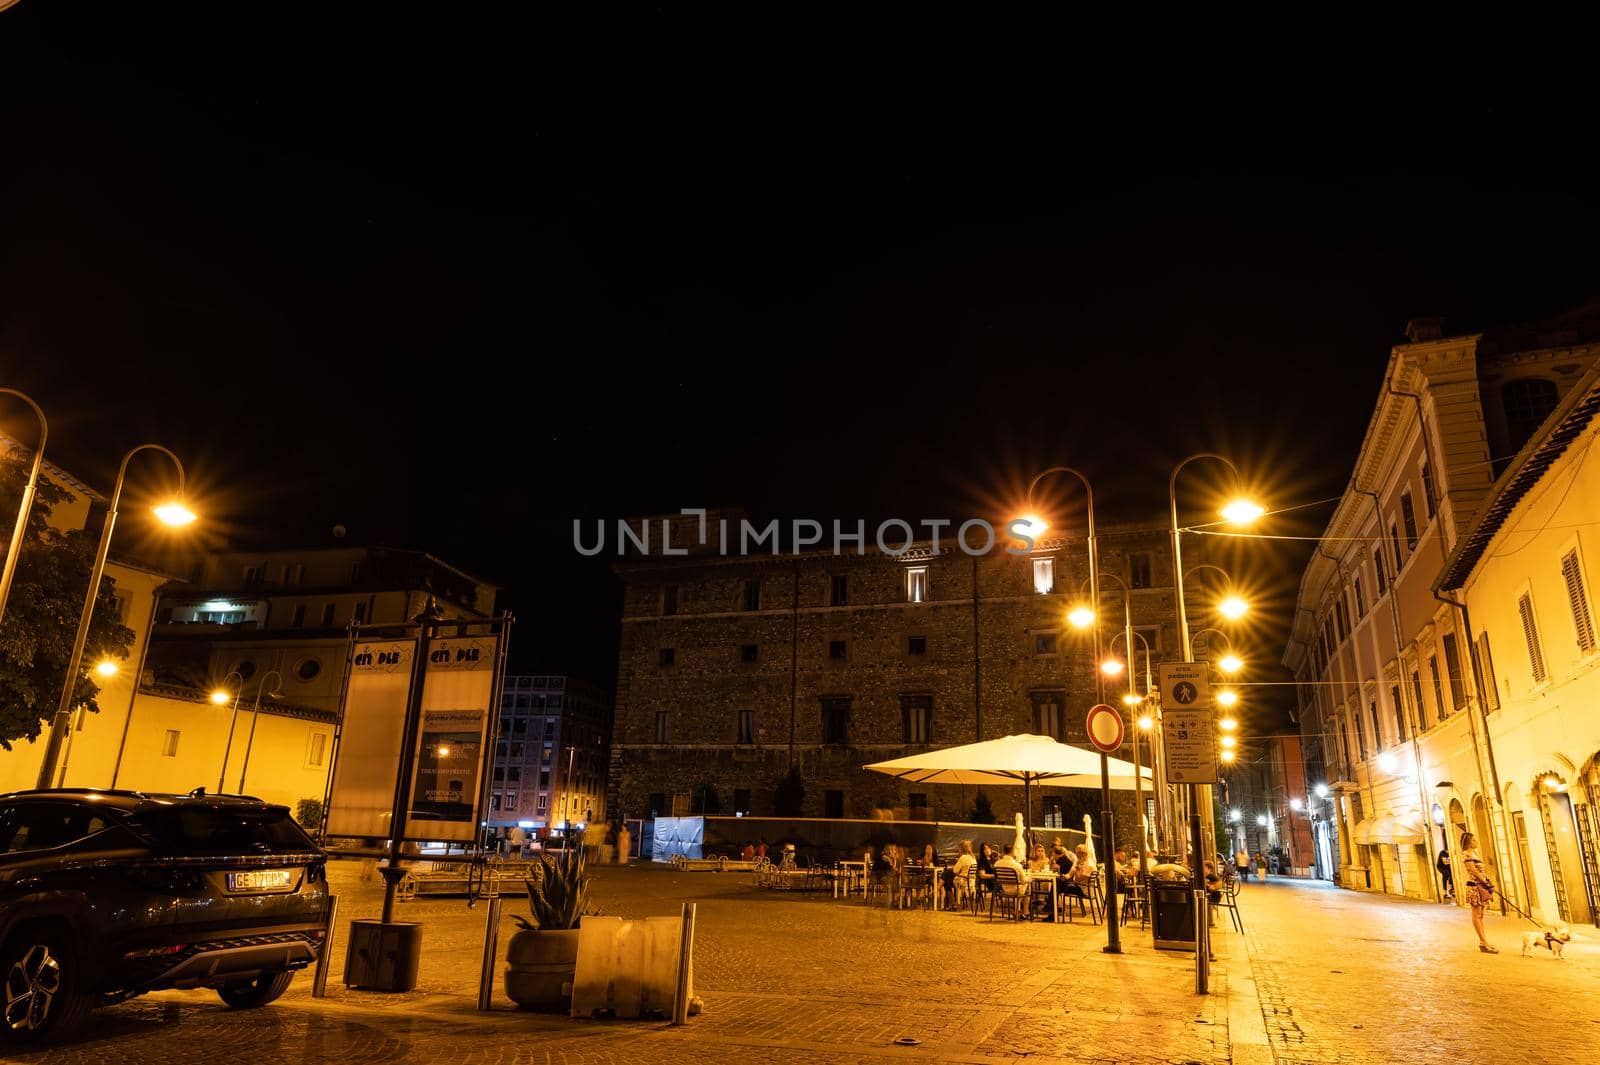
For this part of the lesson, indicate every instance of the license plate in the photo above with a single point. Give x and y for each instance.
(261, 880)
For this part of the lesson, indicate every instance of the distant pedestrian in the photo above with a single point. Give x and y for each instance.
(761, 847)
(1241, 862)
(1261, 865)
(1480, 889)
(519, 842)
(1447, 874)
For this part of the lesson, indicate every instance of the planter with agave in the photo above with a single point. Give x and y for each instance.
(542, 958)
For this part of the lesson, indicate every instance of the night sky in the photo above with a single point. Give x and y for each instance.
(452, 281)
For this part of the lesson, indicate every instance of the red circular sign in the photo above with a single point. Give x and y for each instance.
(1105, 727)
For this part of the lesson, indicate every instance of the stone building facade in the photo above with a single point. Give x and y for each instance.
(734, 669)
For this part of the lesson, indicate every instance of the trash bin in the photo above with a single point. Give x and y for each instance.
(383, 957)
(1172, 915)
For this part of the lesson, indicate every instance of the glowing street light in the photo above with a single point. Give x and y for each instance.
(1242, 511)
(1111, 667)
(1322, 791)
(174, 513)
(1130, 699)
(1261, 819)
(1230, 664)
(1146, 723)
(1235, 815)
(1080, 617)
(1227, 756)
(1296, 805)
(1233, 608)
(106, 668)
(1030, 525)
(220, 697)
(1228, 724)
(1227, 741)
(1227, 697)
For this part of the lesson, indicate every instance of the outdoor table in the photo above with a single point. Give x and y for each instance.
(850, 871)
(1028, 879)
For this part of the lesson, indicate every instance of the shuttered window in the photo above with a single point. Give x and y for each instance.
(1530, 630)
(1491, 691)
(1579, 600)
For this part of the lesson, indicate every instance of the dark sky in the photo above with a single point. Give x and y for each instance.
(452, 280)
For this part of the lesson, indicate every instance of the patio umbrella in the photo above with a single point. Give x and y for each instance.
(1024, 759)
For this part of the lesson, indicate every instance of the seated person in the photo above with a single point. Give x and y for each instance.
(1213, 889)
(748, 854)
(1082, 867)
(956, 875)
(1061, 858)
(1037, 862)
(1008, 861)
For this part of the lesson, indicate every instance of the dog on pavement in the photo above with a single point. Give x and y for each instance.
(1552, 939)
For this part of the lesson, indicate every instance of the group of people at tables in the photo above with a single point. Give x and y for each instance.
(1075, 871)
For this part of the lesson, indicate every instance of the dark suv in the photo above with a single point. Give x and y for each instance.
(108, 894)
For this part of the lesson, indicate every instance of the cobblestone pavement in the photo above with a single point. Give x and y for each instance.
(1352, 977)
(785, 978)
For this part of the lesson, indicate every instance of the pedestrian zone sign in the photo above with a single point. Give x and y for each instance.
(1185, 685)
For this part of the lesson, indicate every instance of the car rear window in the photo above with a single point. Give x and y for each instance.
(221, 830)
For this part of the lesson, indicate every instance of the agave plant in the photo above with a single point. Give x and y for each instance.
(558, 891)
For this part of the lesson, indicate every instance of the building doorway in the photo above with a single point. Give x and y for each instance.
(1566, 859)
(1324, 851)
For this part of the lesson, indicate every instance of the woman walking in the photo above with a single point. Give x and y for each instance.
(1480, 890)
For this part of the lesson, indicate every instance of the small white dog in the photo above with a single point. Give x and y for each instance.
(1553, 939)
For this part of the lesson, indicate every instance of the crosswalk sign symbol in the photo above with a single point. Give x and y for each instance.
(1183, 693)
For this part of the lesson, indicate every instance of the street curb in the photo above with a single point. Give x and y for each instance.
(1247, 1026)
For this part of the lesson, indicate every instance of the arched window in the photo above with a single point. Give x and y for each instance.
(1527, 402)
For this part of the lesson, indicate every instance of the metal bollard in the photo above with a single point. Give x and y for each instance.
(491, 944)
(1202, 944)
(319, 977)
(680, 997)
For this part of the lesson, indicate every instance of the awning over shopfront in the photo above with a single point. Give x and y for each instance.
(1401, 830)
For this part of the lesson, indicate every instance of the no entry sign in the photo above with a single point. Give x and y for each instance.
(1104, 726)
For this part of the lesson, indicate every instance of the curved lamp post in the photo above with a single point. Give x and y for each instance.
(219, 696)
(1157, 784)
(1238, 512)
(255, 715)
(20, 529)
(1107, 828)
(171, 513)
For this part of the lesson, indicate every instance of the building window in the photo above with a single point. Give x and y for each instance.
(752, 594)
(1361, 734)
(658, 803)
(361, 613)
(308, 669)
(1438, 688)
(541, 804)
(669, 656)
(1416, 694)
(1530, 632)
(663, 730)
(835, 721)
(917, 645)
(917, 584)
(299, 617)
(1361, 600)
(1377, 569)
(836, 649)
(747, 726)
(1430, 496)
(319, 744)
(838, 589)
(1044, 575)
(327, 614)
(1408, 515)
(1452, 665)
(749, 652)
(1152, 636)
(544, 778)
(833, 804)
(1491, 690)
(741, 802)
(1044, 643)
(169, 745)
(252, 575)
(1578, 599)
(1047, 714)
(1400, 731)
(1527, 403)
(1394, 544)
(1377, 734)
(1139, 575)
(916, 718)
(669, 599)
(917, 802)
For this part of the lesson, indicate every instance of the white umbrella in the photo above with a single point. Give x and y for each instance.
(1088, 838)
(1024, 759)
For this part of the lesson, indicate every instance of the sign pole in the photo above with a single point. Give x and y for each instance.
(391, 870)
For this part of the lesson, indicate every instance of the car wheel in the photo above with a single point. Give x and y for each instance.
(249, 994)
(40, 997)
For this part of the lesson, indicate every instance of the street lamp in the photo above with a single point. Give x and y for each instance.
(1107, 828)
(172, 512)
(1146, 723)
(20, 529)
(255, 715)
(220, 697)
(1239, 513)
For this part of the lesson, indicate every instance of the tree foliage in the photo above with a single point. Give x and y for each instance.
(42, 615)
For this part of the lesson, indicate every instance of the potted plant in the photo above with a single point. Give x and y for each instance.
(542, 958)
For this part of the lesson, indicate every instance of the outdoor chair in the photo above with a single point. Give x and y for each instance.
(1009, 892)
(919, 886)
(1230, 902)
(1040, 893)
(1136, 900)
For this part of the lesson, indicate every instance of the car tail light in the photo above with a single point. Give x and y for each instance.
(156, 952)
(316, 872)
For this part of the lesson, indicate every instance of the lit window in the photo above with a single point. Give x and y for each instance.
(319, 742)
(917, 584)
(1044, 575)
